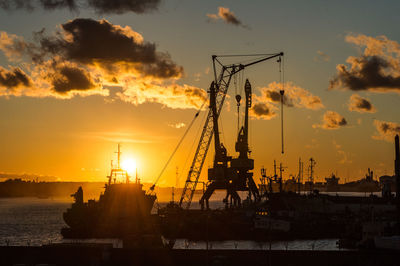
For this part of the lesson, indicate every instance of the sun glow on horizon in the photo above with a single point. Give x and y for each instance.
(129, 165)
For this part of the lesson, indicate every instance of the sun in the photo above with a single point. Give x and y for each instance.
(129, 165)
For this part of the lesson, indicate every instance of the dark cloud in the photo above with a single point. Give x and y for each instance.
(85, 56)
(99, 6)
(275, 96)
(364, 105)
(123, 6)
(30, 5)
(69, 78)
(386, 130)
(360, 104)
(226, 15)
(331, 120)
(376, 69)
(191, 91)
(294, 96)
(101, 43)
(55, 4)
(16, 4)
(262, 111)
(367, 73)
(14, 78)
(113, 48)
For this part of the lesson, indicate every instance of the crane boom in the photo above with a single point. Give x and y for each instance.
(221, 84)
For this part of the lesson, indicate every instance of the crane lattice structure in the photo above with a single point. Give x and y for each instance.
(221, 84)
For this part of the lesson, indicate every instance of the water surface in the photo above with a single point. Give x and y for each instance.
(35, 222)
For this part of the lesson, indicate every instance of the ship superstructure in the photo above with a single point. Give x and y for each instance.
(122, 210)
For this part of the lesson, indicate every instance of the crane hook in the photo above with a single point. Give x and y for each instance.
(238, 99)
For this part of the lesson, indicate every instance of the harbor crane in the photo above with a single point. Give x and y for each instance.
(222, 176)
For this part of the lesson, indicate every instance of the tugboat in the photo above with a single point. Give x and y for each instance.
(123, 210)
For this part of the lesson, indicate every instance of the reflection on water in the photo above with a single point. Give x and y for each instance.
(32, 221)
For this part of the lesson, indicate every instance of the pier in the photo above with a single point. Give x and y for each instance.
(105, 255)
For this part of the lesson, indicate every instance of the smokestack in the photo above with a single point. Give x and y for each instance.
(397, 167)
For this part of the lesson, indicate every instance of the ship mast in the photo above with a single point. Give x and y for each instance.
(115, 172)
(119, 156)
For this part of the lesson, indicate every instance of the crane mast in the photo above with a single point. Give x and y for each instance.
(242, 144)
(218, 89)
(206, 136)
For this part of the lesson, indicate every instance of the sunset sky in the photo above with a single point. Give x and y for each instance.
(78, 77)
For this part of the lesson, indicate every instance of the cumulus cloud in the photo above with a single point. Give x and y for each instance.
(110, 47)
(377, 69)
(266, 105)
(87, 57)
(99, 6)
(53, 75)
(331, 120)
(361, 105)
(123, 6)
(16, 4)
(386, 130)
(227, 16)
(13, 79)
(13, 46)
(263, 111)
(65, 78)
(172, 95)
(55, 4)
(50, 79)
(294, 96)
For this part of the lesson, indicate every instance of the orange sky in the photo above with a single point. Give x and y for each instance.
(99, 77)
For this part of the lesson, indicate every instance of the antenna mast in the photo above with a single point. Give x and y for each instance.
(282, 92)
(119, 156)
(300, 177)
(311, 178)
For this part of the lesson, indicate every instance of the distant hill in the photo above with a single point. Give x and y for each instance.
(47, 178)
(91, 190)
(21, 188)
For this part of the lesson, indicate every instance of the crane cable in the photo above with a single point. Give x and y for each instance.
(177, 146)
(283, 88)
(282, 92)
(237, 99)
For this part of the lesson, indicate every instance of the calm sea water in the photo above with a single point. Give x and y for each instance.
(31, 221)
(34, 222)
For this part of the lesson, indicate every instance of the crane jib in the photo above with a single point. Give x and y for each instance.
(221, 84)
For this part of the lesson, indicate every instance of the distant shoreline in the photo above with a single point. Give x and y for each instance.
(17, 188)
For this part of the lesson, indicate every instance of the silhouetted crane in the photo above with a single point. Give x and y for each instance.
(218, 90)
